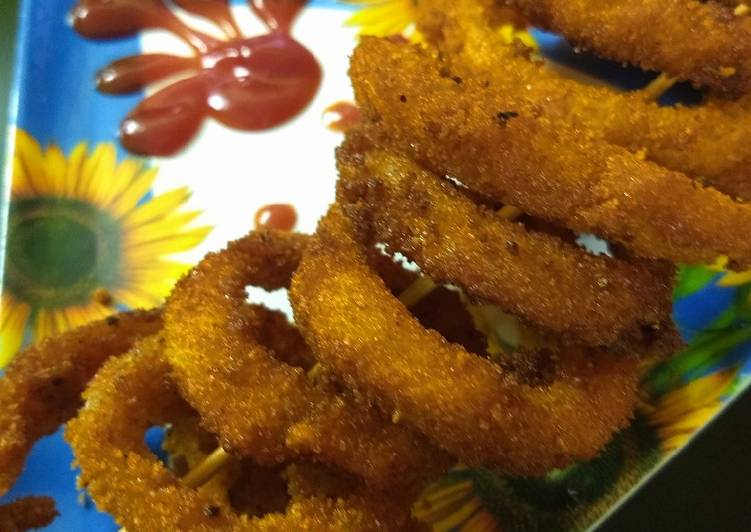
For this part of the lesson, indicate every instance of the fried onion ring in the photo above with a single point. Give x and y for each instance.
(134, 392)
(27, 513)
(517, 155)
(708, 142)
(635, 31)
(559, 286)
(466, 404)
(258, 405)
(42, 387)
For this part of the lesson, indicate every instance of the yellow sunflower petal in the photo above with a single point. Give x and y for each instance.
(60, 320)
(693, 396)
(735, 278)
(43, 325)
(125, 173)
(384, 18)
(136, 251)
(55, 166)
(460, 516)
(21, 186)
(691, 422)
(135, 298)
(164, 227)
(96, 172)
(137, 189)
(74, 169)
(156, 208)
(29, 154)
(156, 269)
(436, 505)
(73, 316)
(14, 316)
(158, 288)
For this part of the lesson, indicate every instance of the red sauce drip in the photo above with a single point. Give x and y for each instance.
(246, 83)
(277, 14)
(279, 216)
(342, 116)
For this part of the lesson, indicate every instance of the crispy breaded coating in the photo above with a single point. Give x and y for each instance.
(707, 142)
(518, 155)
(690, 40)
(272, 329)
(559, 286)
(27, 514)
(258, 405)
(42, 387)
(466, 404)
(134, 392)
(187, 445)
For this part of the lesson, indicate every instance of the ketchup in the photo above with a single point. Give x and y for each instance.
(279, 216)
(247, 83)
(342, 116)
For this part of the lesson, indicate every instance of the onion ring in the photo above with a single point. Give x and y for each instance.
(593, 299)
(464, 403)
(134, 392)
(707, 142)
(256, 404)
(541, 165)
(633, 31)
(42, 387)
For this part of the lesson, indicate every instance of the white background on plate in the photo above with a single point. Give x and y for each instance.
(233, 173)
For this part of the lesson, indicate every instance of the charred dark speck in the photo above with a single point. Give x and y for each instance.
(403, 98)
(503, 117)
(112, 320)
(457, 80)
(211, 511)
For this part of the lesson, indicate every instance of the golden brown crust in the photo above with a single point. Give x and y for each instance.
(707, 142)
(464, 403)
(258, 405)
(701, 42)
(27, 513)
(520, 156)
(42, 387)
(559, 286)
(130, 394)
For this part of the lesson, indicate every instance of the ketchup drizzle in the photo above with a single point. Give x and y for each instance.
(248, 83)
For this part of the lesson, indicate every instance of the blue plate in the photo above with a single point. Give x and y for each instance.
(66, 163)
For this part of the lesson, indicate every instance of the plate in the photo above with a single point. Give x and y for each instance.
(90, 227)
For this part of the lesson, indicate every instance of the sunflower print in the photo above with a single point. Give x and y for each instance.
(384, 18)
(680, 413)
(84, 240)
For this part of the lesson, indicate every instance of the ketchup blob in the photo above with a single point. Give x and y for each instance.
(247, 83)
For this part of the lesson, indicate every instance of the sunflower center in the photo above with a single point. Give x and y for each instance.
(60, 251)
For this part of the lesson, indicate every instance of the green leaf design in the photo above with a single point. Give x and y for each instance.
(707, 349)
(691, 279)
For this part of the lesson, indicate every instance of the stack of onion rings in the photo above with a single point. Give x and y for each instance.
(134, 392)
(462, 402)
(338, 421)
(258, 405)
